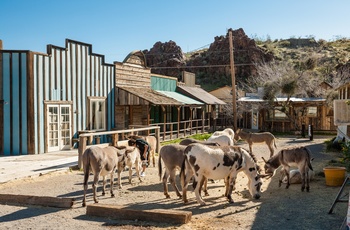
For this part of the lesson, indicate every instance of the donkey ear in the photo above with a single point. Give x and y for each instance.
(263, 159)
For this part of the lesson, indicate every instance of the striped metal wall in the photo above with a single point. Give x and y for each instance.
(13, 93)
(70, 74)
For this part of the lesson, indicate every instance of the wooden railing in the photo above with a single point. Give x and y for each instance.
(115, 136)
(175, 130)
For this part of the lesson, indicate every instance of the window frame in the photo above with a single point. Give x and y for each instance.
(102, 116)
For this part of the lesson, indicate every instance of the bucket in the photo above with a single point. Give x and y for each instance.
(335, 176)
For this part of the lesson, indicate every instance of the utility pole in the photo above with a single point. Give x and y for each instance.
(233, 79)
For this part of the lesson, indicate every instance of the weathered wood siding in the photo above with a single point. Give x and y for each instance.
(132, 75)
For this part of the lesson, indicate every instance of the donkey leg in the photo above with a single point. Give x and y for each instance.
(111, 181)
(230, 188)
(307, 178)
(86, 179)
(104, 185)
(205, 185)
(172, 180)
(165, 184)
(197, 187)
(94, 186)
(119, 179)
(302, 174)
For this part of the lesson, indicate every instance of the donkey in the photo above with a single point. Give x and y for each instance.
(222, 140)
(173, 157)
(223, 162)
(101, 161)
(188, 141)
(152, 141)
(294, 156)
(132, 158)
(228, 132)
(251, 138)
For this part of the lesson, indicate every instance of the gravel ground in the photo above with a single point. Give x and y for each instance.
(277, 208)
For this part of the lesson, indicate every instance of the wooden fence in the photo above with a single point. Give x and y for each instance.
(115, 136)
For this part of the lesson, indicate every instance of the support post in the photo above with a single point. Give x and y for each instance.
(232, 64)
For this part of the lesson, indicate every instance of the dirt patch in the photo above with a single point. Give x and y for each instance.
(277, 208)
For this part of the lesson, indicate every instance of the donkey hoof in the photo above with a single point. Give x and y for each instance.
(112, 195)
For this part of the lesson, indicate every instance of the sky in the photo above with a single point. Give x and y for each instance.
(115, 28)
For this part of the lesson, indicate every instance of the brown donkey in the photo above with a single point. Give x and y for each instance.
(251, 138)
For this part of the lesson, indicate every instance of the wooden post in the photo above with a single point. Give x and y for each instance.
(82, 147)
(232, 64)
(158, 139)
(124, 213)
(164, 121)
(115, 139)
(58, 202)
(178, 121)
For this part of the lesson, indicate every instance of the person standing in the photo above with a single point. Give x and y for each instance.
(144, 148)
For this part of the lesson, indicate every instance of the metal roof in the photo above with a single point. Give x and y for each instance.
(181, 98)
(200, 94)
(150, 95)
(281, 99)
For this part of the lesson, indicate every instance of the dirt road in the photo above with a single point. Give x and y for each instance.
(278, 208)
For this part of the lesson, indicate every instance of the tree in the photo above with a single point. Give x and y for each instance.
(285, 79)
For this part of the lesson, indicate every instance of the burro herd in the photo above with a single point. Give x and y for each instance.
(199, 161)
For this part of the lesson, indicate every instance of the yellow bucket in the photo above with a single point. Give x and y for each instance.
(335, 176)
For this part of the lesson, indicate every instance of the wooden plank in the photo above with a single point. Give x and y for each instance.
(48, 201)
(154, 215)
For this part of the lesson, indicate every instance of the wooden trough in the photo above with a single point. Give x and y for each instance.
(37, 200)
(154, 215)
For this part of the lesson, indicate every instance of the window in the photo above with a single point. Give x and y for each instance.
(312, 111)
(97, 114)
(277, 114)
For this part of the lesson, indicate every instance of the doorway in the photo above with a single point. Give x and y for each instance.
(58, 127)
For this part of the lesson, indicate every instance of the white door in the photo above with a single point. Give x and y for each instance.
(255, 119)
(58, 123)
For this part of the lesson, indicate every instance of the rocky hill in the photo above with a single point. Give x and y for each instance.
(211, 65)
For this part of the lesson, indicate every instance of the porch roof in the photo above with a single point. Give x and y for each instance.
(200, 95)
(181, 98)
(150, 95)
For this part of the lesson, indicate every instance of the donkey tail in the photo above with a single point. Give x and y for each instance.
(86, 169)
(183, 172)
(160, 170)
(309, 159)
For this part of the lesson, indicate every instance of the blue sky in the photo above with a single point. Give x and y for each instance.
(117, 27)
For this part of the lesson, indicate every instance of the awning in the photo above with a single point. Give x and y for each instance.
(141, 96)
(180, 98)
(200, 94)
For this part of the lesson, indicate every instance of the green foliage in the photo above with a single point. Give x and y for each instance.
(195, 136)
(345, 149)
(289, 88)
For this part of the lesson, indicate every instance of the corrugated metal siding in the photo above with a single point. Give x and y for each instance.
(14, 89)
(71, 74)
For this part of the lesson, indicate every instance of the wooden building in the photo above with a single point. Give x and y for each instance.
(144, 99)
(302, 112)
(342, 112)
(46, 99)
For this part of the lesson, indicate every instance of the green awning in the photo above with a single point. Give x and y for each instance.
(181, 98)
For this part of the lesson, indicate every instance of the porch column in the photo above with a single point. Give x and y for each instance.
(178, 121)
(164, 121)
